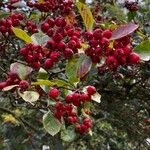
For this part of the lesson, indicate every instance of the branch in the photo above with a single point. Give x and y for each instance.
(5, 110)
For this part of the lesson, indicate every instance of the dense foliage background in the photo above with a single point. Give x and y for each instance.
(120, 122)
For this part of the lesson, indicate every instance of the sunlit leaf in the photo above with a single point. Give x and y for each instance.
(29, 96)
(86, 15)
(96, 97)
(7, 88)
(22, 35)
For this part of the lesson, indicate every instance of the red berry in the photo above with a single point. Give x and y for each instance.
(68, 53)
(53, 93)
(134, 58)
(68, 98)
(111, 62)
(48, 63)
(84, 97)
(72, 44)
(87, 122)
(54, 56)
(91, 90)
(97, 34)
(3, 85)
(51, 44)
(88, 35)
(107, 34)
(45, 27)
(36, 65)
(61, 46)
(24, 84)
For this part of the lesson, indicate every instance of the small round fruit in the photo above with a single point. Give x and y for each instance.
(91, 90)
(53, 93)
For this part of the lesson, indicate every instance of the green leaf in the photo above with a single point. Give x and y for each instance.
(39, 38)
(60, 83)
(78, 67)
(51, 124)
(96, 97)
(22, 35)
(143, 47)
(7, 88)
(57, 82)
(43, 82)
(4, 14)
(42, 74)
(131, 15)
(68, 135)
(124, 30)
(20, 69)
(29, 96)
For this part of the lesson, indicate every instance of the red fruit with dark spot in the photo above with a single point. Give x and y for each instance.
(51, 44)
(24, 85)
(53, 93)
(91, 90)
(50, 32)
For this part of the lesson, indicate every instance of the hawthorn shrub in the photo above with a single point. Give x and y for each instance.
(68, 71)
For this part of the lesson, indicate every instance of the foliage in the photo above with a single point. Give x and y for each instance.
(70, 77)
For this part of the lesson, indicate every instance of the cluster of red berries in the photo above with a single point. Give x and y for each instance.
(12, 20)
(33, 54)
(64, 38)
(67, 111)
(120, 54)
(37, 56)
(12, 79)
(31, 27)
(98, 41)
(84, 127)
(53, 5)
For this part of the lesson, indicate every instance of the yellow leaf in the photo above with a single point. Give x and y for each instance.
(9, 118)
(70, 18)
(22, 35)
(86, 15)
(111, 44)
